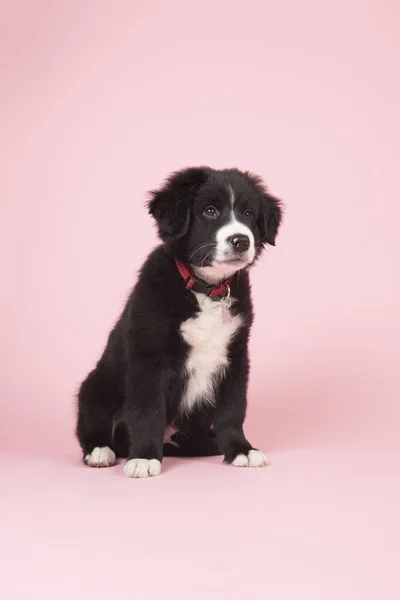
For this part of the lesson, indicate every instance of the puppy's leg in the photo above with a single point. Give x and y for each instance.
(145, 418)
(97, 403)
(231, 412)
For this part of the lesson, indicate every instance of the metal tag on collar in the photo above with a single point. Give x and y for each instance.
(226, 304)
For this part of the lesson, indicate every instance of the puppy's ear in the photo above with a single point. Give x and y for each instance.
(170, 205)
(270, 219)
(271, 211)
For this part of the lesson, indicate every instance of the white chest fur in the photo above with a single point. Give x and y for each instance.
(208, 337)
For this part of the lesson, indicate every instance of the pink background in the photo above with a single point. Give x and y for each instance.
(99, 101)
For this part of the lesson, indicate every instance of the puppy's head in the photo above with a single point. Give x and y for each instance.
(217, 221)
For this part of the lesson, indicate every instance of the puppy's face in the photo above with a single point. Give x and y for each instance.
(216, 221)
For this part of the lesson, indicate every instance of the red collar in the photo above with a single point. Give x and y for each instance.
(198, 285)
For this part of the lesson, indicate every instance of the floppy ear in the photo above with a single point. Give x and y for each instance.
(271, 211)
(270, 219)
(170, 205)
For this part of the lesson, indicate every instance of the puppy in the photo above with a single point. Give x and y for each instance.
(172, 380)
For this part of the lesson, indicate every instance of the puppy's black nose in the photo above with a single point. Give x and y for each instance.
(240, 242)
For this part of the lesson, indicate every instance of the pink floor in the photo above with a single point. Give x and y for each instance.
(322, 522)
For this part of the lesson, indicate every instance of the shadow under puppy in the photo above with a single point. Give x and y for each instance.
(172, 380)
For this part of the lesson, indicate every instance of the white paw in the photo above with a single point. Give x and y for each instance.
(100, 457)
(254, 458)
(142, 467)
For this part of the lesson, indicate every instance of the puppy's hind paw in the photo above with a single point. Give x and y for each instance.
(254, 458)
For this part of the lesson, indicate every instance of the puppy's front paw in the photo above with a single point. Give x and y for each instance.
(142, 467)
(254, 458)
(100, 457)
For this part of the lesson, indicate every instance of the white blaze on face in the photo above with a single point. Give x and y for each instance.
(234, 227)
(221, 269)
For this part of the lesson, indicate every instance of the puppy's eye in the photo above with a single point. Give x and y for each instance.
(248, 213)
(211, 212)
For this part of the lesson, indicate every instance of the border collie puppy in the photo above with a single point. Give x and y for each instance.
(172, 380)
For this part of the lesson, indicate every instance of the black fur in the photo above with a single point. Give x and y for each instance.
(135, 390)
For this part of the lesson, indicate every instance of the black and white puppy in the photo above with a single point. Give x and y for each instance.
(172, 380)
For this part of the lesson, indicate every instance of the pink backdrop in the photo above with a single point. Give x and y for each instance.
(99, 101)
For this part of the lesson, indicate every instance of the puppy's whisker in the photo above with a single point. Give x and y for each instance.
(209, 253)
(200, 248)
(206, 256)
